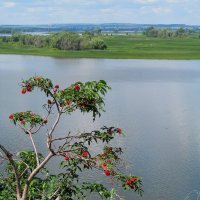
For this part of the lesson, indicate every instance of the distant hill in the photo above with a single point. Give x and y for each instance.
(105, 27)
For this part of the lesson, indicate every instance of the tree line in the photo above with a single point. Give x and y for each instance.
(61, 40)
(166, 33)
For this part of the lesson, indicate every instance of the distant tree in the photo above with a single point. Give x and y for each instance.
(98, 31)
(98, 43)
(88, 34)
(165, 33)
(180, 32)
(5, 39)
(151, 32)
(61, 40)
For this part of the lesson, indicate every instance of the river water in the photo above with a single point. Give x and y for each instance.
(157, 103)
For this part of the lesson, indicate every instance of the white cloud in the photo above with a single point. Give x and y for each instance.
(160, 10)
(9, 4)
(82, 2)
(97, 11)
(177, 1)
(146, 1)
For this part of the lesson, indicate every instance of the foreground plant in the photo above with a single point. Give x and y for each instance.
(26, 175)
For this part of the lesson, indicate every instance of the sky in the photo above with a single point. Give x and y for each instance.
(100, 11)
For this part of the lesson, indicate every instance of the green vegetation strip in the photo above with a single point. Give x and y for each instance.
(124, 47)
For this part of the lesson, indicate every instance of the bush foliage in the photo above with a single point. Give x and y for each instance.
(62, 41)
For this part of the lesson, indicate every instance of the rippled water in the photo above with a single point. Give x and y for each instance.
(156, 102)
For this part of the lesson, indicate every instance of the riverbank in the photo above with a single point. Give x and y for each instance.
(123, 47)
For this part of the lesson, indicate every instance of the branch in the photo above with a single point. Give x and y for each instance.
(55, 193)
(34, 173)
(32, 141)
(57, 105)
(49, 137)
(12, 162)
(39, 127)
(23, 129)
(120, 198)
(55, 124)
(24, 171)
(34, 147)
(2, 157)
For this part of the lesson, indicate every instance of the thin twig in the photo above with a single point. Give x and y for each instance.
(55, 124)
(35, 149)
(39, 127)
(55, 193)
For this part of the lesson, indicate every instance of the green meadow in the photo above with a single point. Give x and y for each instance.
(124, 47)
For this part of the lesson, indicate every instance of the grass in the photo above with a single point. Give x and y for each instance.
(127, 47)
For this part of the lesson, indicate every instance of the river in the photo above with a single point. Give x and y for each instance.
(156, 102)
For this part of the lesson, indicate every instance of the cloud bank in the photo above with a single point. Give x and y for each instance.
(99, 11)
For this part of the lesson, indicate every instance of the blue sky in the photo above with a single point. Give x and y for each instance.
(99, 11)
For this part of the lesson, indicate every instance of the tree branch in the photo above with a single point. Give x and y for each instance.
(12, 162)
(39, 127)
(34, 173)
(55, 124)
(34, 147)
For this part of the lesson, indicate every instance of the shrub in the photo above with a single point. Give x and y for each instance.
(98, 43)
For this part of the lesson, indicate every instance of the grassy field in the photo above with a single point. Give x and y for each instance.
(138, 47)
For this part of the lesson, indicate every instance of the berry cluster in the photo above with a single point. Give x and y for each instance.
(132, 182)
(27, 117)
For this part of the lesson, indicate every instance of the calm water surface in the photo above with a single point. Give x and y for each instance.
(156, 102)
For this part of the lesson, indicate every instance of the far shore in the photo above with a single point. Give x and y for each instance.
(120, 47)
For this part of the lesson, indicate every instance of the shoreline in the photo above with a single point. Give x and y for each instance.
(99, 57)
(127, 47)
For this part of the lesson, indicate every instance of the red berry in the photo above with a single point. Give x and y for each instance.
(11, 116)
(128, 182)
(133, 179)
(55, 93)
(66, 158)
(68, 102)
(109, 161)
(45, 121)
(110, 149)
(132, 186)
(56, 86)
(29, 88)
(62, 90)
(107, 172)
(37, 78)
(119, 130)
(76, 87)
(23, 91)
(84, 153)
(49, 102)
(104, 164)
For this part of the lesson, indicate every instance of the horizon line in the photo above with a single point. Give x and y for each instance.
(88, 23)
